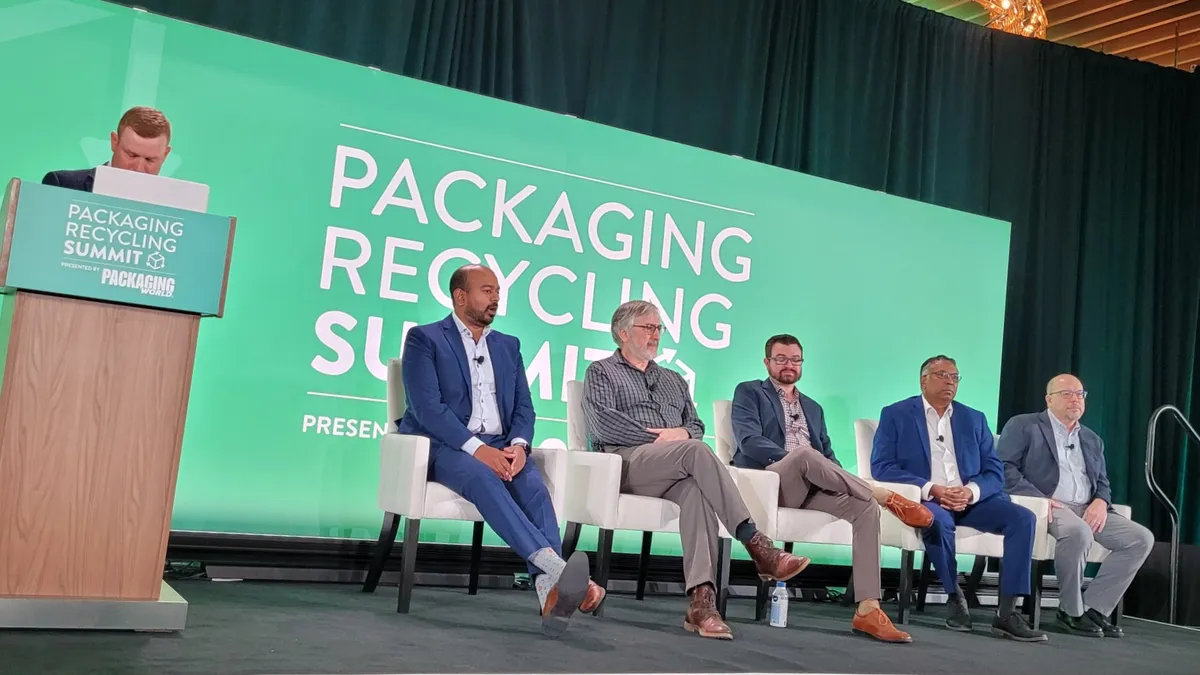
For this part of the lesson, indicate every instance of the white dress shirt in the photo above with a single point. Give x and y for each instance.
(485, 409)
(943, 463)
(1073, 484)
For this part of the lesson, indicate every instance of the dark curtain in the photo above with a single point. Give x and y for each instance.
(1095, 160)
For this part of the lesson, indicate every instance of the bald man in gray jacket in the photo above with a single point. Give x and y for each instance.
(1051, 454)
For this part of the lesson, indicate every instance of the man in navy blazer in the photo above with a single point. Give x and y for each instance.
(140, 143)
(948, 450)
(466, 390)
(781, 430)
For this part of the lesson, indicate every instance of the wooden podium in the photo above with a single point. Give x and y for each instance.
(102, 306)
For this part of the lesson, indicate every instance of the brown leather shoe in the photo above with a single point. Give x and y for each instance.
(592, 601)
(565, 597)
(702, 616)
(876, 624)
(774, 564)
(909, 512)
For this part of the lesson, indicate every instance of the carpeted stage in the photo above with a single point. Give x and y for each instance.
(274, 628)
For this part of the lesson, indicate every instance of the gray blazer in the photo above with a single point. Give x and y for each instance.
(1030, 458)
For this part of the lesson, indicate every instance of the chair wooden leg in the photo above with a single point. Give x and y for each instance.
(570, 539)
(905, 592)
(762, 600)
(923, 582)
(724, 551)
(973, 581)
(644, 564)
(476, 557)
(383, 550)
(604, 544)
(1035, 594)
(408, 563)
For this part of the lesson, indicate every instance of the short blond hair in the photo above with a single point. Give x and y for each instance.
(145, 122)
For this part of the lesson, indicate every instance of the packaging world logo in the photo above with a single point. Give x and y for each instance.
(146, 284)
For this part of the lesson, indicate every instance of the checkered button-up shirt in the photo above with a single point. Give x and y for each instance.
(622, 402)
(795, 423)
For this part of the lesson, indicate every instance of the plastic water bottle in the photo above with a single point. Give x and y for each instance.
(779, 600)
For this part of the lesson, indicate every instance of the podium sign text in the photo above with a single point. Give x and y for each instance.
(103, 248)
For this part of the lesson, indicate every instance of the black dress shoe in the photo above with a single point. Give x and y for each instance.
(1109, 629)
(959, 618)
(1013, 627)
(1079, 625)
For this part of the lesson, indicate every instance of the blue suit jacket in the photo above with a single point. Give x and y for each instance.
(437, 385)
(900, 452)
(758, 425)
(82, 179)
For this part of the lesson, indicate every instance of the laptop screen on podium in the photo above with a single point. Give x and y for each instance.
(144, 187)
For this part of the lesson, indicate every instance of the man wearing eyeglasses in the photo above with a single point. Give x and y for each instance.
(779, 429)
(1051, 454)
(644, 413)
(947, 449)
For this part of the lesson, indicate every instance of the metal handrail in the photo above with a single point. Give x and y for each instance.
(1162, 497)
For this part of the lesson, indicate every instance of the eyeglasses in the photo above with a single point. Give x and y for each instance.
(948, 376)
(783, 360)
(649, 328)
(1069, 394)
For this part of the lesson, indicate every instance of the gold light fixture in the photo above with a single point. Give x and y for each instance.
(1020, 17)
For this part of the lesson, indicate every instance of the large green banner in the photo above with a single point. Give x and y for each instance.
(358, 192)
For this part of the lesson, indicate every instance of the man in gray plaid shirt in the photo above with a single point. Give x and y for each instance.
(644, 413)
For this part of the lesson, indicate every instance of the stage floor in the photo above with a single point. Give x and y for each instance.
(276, 628)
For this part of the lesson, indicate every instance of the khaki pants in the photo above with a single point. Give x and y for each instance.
(689, 474)
(809, 480)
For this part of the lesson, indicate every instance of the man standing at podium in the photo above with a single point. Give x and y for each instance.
(467, 392)
(141, 143)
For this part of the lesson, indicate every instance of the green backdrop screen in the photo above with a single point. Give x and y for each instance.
(357, 192)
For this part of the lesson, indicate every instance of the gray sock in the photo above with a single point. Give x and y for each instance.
(1006, 606)
(552, 567)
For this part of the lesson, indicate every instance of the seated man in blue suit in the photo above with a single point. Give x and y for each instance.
(141, 143)
(466, 391)
(779, 429)
(948, 450)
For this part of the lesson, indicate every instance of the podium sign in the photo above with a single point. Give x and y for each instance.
(103, 248)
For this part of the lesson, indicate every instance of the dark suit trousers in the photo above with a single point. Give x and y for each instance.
(519, 511)
(810, 480)
(994, 515)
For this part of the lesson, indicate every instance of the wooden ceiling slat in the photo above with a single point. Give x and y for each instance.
(1133, 46)
(1078, 10)
(1138, 29)
(1163, 17)
(1064, 31)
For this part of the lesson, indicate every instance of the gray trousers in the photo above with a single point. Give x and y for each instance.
(810, 480)
(1129, 542)
(689, 474)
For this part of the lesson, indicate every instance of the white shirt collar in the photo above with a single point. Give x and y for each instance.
(466, 332)
(1058, 424)
(928, 408)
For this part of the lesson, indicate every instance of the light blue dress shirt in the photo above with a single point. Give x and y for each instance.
(485, 409)
(1073, 484)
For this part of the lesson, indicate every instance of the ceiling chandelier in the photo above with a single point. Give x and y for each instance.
(1020, 17)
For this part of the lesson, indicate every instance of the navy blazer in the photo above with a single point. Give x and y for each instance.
(758, 425)
(437, 385)
(82, 180)
(900, 451)
(1030, 457)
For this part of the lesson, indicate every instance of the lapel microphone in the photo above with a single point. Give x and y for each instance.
(796, 417)
(941, 439)
(479, 359)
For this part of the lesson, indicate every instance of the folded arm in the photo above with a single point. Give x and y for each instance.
(606, 424)
(748, 429)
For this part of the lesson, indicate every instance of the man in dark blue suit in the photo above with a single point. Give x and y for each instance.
(779, 429)
(948, 450)
(466, 390)
(141, 143)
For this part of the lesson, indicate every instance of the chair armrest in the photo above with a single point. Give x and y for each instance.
(1041, 529)
(760, 492)
(552, 462)
(1123, 509)
(593, 488)
(403, 471)
(903, 489)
